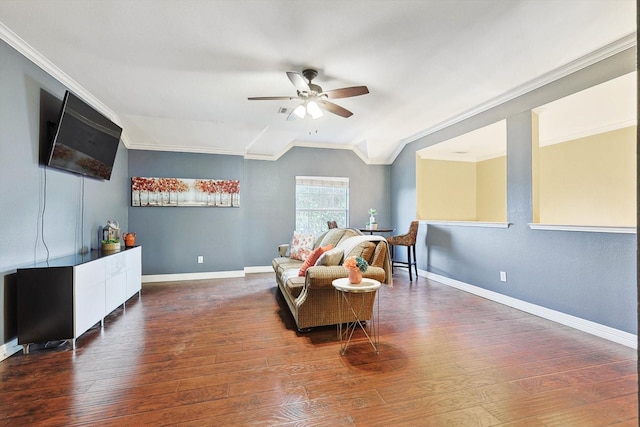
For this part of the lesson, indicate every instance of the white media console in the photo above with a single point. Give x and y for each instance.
(62, 298)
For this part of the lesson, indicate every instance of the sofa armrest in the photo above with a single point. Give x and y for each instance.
(282, 249)
(321, 277)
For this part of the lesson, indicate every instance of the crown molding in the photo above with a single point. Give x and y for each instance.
(585, 61)
(13, 40)
(26, 50)
(598, 55)
(303, 144)
(185, 149)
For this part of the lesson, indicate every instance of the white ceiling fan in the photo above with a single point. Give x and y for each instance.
(313, 98)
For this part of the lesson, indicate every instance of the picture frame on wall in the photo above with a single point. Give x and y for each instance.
(173, 192)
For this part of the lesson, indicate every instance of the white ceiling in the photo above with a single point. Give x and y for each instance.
(608, 106)
(481, 144)
(176, 74)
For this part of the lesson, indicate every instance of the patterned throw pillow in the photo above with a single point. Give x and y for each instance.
(301, 246)
(312, 258)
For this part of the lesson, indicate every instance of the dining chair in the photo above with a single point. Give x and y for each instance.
(408, 240)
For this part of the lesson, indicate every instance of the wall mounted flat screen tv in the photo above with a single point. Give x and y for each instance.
(85, 141)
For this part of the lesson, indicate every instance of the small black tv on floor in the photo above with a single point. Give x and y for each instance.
(85, 141)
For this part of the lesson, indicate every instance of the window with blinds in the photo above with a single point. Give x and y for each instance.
(320, 199)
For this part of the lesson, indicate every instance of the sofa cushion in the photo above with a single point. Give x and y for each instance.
(318, 238)
(293, 282)
(349, 233)
(379, 255)
(301, 246)
(337, 235)
(331, 257)
(332, 237)
(281, 264)
(312, 258)
(364, 250)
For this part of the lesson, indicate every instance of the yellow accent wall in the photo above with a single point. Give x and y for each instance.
(491, 190)
(535, 168)
(461, 191)
(446, 190)
(589, 181)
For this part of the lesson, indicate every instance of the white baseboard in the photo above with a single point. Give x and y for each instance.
(154, 278)
(9, 349)
(259, 269)
(611, 334)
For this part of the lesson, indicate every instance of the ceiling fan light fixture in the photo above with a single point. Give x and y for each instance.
(314, 109)
(300, 111)
(313, 98)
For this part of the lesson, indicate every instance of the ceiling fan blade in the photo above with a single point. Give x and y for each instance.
(335, 109)
(271, 98)
(347, 92)
(298, 81)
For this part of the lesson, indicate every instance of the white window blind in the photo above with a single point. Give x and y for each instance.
(320, 199)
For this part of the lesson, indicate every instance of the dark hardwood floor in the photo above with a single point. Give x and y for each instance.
(226, 353)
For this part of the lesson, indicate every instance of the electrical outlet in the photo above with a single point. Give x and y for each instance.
(200, 259)
(503, 276)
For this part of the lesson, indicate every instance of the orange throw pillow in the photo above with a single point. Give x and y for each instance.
(312, 258)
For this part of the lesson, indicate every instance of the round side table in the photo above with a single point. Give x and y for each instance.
(346, 291)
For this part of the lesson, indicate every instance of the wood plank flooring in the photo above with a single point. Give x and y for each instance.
(226, 353)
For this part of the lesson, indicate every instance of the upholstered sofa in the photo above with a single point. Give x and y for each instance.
(311, 298)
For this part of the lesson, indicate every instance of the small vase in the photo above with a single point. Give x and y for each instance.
(355, 276)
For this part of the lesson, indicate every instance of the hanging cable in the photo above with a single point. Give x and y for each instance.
(82, 248)
(44, 208)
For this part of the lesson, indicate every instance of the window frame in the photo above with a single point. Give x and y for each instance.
(332, 182)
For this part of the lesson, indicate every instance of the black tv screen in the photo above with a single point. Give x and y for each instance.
(85, 142)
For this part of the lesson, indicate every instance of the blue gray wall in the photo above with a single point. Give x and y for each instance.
(588, 275)
(270, 189)
(173, 237)
(233, 238)
(72, 207)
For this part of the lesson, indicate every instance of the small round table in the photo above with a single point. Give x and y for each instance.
(371, 231)
(345, 288)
